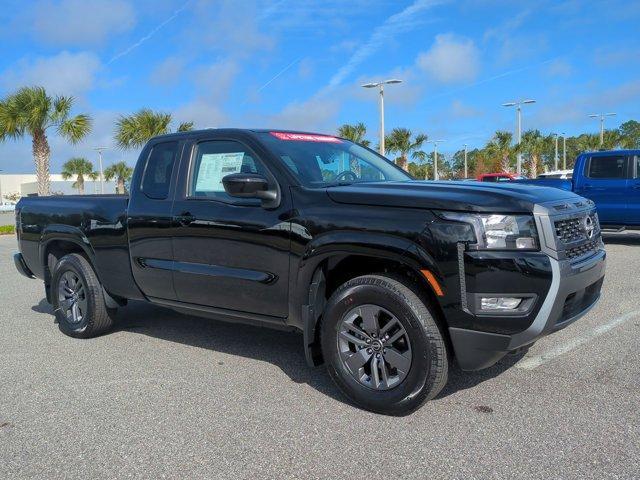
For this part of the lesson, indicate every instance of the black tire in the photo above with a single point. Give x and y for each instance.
(428, 371)
(97, 318)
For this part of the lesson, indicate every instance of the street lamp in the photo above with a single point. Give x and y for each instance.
(465, 160)
(518, 104)
(100, 150)
(1, 186)
(564, 150)
(601, 117)
(381, 85)
(555, 157)
(435, 157)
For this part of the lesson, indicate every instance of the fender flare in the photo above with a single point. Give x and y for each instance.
(308, 286)
(68, 233)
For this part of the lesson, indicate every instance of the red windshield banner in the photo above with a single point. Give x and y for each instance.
(305, 137)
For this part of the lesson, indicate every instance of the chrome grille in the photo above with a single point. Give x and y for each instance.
(571, 230)
(579, 251)
(572, 234)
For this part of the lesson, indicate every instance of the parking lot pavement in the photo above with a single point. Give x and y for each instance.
(174, 396)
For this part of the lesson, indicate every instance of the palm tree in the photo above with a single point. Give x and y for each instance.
(400, 141)
(133, 131)
(499, 147)
(122, 172)
(533, 145)
(78, 167)
(355, 133)
(31, 111)
(588, 142)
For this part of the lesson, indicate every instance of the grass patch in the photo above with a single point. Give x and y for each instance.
(7, 229)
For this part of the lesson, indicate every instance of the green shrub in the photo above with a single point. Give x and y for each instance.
(7, 229)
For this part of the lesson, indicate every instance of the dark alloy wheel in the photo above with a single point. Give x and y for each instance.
(382, 346)
(72, 297)
(374, 347)
(78, 299)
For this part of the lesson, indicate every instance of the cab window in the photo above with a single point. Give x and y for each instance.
(216, 159)
(158, 170)
(608, 167)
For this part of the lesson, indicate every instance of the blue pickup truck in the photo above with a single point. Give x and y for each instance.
(612, 180)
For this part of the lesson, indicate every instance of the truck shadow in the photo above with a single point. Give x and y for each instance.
(461, 380)
(280, 348)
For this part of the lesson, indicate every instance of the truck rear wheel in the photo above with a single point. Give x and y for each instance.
(78, 301)
(382, 346)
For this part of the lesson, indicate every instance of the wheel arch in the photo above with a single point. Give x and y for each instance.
(322, 273)
(60, 240)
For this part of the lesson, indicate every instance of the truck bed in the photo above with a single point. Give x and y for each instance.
(96, 223)
(548, 182)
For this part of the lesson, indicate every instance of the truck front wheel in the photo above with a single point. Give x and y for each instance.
(382, 346)
(78, 301)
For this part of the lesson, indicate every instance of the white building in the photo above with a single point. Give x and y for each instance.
(25, 184)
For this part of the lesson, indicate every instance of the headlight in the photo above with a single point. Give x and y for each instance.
(496, 231)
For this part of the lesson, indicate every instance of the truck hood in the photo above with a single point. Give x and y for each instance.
(461, 196)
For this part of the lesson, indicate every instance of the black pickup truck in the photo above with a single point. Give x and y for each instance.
(388, 279)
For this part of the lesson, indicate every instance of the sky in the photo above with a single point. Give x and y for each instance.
(299, 64)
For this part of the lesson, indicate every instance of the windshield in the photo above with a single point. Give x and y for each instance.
(321, 160)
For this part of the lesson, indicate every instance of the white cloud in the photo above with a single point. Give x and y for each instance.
(318, 114)
(559, 68)
(80, 22)
(168, 72)
(229, 26)
(212, 85)
(451, 59)
(65, 73)
(203, 113)
(214, 81)
(399, 23)
(616, 56)
(461, 110)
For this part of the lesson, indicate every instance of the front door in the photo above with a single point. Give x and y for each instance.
(606, 179)
(229, 253)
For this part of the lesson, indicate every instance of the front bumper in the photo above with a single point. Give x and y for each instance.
(575, 289)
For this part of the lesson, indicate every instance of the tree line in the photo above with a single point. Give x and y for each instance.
(499, 154)
(31, 112)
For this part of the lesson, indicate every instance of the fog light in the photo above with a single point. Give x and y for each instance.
(500, 303)
(526, 242)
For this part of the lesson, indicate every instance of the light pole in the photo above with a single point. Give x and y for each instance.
(555, 157)
(465, 160)
(100, 150)
(601, 117)
(435, 157)
(518, 104)
(1, 186)
(381, 85)
(564, 150)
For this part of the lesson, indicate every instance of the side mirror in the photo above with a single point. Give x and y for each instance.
(250, 185)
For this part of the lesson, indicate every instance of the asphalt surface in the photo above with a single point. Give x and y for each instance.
(173, 396)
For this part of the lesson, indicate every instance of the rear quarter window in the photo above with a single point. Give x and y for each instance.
(158, 170)
(608, 167)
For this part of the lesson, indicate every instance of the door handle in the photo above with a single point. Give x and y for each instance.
(184, 219)
(587, 186)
